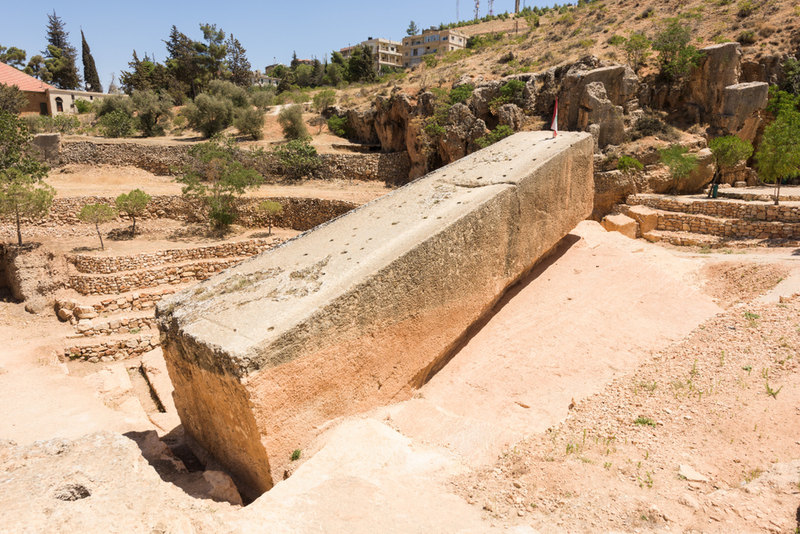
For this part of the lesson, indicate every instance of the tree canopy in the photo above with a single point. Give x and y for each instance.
(60, 56)
(89, 68)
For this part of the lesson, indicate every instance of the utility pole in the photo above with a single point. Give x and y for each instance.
(516, 6)
(491, 7)
(477, 8)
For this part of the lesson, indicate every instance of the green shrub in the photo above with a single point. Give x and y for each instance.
(746, 8)
(679, 162)
(250, 122)
(324, 99)
(338, 126)
(629, 165)
(110, 104)
(616, 40)
(501, 132)
(117, 124)
(746, 37)
(209, 114)
(676, 55)
(461, 94)
(567, 19)
(264, 98)
(83, 106)
(229, 90)
(291, 121)
(430, 61)
(63, 124)
(297, 158)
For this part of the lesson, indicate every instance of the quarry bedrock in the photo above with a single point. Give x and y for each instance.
(358, 312)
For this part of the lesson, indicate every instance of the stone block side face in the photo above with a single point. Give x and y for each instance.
(214, 407)
(382, 332)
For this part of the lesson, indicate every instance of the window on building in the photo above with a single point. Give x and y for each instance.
(59, 105)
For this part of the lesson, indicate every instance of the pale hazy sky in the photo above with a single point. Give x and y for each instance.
(269, 31)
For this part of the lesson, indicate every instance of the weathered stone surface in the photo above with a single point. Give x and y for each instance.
(719, 68)
(461, 131)
(359, 312)
(620, 84)
(155, 370)
(740, 104)
(510, 115)
(646, 217)
(49, 146)
(596, 108)
(620, 223)
(85, 312)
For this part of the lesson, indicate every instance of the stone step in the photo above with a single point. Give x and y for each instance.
(689, 239)
(105, 326)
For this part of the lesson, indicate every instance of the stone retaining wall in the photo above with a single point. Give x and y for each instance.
(105, 284)
(299, 213)
(735, 228)
(133, 302)
(113, 264)
(721, 208)
(392, 167)
(113, 350)
(123, 325)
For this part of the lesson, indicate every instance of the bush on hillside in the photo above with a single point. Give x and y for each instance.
(291, 121)
(209, 114)
(250, 122)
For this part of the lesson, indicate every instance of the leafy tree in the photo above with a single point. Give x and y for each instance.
(728, 151)
(238, 63)
(295, 62)
(182, 63)
(338, 126)
(12, 100)
(676, 55)
(114, 103)
(13, 56)
(16, 149)
(250, 122)
(97, 214)
(778, 154)
(629, 166)
(22, 195)
(211, 54)
(636, 48)
(297, 158)
(60, 56)
(791, 74)
(118, 123)
(89, 68)
(133, 205)
(361, 66)
(36, 67)
(209, 114)
(291, 121)
(216, 177)
(271, 211)
(304, 75)
(412, 29)
(679, 163)
(152, 109)
(324, 99)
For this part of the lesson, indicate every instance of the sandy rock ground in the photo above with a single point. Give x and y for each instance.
(622, 387)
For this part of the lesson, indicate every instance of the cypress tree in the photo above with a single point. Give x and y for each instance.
(89, 69)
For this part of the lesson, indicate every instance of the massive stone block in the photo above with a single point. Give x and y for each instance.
(360, 311)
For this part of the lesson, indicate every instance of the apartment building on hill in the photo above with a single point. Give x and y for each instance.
(432, 41)
(385, 52)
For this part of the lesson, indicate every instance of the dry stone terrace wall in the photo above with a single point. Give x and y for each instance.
(113, 264)
(124, 325)
(132, 302)
(299, 213)
(392, 168)
(111, 350)
(735, 228)
(105, 284)
(361, 311)
(788, 213)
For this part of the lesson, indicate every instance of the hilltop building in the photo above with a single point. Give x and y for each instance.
(262, 80)
(385, 52)
(43, 98)
(432, 41)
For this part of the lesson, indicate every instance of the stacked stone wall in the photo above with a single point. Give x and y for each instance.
(734, 228)
(392, 167)
(105, 284)
(112, 350)
(746, 211)
(113, 264)
(123, 325)
(132, 302)
(298, 213)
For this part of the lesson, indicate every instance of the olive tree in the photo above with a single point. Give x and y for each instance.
(728, 151)
(217, 177)
(778, 154)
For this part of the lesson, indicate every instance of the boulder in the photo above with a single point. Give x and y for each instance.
(222, 488)
(646, 217)
(740, 173)
(461, 131)
(740, 106)
(482, 97)
(610, 188)
(719, 68)
(620, 223)
(64, 314)
(621, 84)
(391, 121)
(510, 115)
(361, 121)
(85, 312)
(596, 108)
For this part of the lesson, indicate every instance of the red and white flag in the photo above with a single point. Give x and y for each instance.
(554, 126)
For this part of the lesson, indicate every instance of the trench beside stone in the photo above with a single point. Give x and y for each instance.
(359, 312)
